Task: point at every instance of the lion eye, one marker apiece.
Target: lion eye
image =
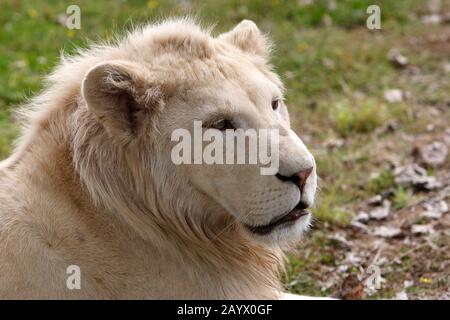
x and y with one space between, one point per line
222 125
276 104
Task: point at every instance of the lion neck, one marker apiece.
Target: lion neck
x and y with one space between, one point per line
236 266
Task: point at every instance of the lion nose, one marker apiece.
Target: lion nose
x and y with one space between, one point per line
302 177
298 178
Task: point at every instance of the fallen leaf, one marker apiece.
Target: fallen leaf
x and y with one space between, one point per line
382 212
352 258
352 288
408 283
359 225
339 240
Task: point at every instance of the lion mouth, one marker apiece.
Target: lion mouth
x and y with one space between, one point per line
287 219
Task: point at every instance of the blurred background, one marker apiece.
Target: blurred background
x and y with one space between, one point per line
372 105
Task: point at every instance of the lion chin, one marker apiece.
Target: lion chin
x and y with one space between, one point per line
282 232
93 204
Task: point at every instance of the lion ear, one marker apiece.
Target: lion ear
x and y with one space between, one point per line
117 93
247 37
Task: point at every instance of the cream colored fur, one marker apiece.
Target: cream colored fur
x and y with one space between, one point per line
91 182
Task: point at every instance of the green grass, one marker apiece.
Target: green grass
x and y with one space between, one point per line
364 118
381 182
402 198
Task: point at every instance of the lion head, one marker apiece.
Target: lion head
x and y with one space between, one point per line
166 77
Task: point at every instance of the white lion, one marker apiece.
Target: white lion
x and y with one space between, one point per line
91 182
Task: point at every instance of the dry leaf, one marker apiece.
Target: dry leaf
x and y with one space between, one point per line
352 288
416 176
382 212
387 232
434 209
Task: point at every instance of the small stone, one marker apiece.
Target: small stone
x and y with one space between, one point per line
408 283
422 229
432 19
375 200
447 67
393 95
362 217
435 209
397 59
61 19
434 154
401 296
387 232
334 143
343 268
